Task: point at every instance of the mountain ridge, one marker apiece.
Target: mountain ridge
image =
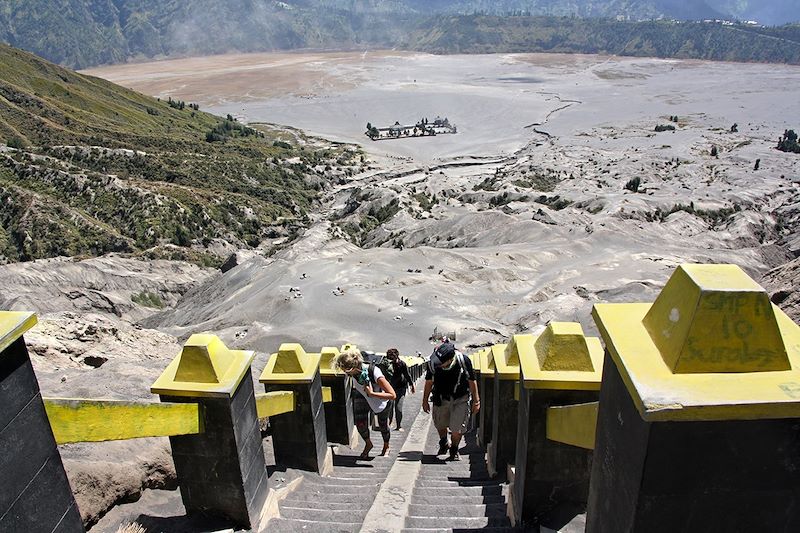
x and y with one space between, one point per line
83 33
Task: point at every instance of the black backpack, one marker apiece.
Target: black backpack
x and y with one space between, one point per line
462 373
382 362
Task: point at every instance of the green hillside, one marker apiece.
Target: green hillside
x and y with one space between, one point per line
93 167
685 40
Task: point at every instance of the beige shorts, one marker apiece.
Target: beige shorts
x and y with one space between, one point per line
453 414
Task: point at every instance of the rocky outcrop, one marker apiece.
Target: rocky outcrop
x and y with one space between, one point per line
782 283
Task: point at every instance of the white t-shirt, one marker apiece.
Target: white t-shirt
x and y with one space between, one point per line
376 404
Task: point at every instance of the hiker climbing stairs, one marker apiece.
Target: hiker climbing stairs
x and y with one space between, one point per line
340 502
357 496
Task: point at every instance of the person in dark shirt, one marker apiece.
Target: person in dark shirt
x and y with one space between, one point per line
401 381
450 380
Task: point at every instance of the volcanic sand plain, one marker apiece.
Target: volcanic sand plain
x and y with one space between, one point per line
530 126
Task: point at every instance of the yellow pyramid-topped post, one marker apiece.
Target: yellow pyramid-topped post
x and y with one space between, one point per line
211 465
562 346
565 359
327 355
696 382
204 359
205 367
558 393
502 447
14 324
339 423
35 493
507 361
712 346
486 391
714 318
299 438
291 364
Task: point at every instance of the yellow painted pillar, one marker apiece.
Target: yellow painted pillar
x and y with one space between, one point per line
221 470
699 420
299 439
560 367
34 491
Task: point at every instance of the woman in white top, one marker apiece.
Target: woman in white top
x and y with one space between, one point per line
375 398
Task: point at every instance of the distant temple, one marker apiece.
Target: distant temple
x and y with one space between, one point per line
420 129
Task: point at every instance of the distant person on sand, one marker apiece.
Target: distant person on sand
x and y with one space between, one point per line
451 379
401 381
375 395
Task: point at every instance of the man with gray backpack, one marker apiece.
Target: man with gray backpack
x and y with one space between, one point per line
450 380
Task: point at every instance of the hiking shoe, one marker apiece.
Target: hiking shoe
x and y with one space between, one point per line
443 447
454 456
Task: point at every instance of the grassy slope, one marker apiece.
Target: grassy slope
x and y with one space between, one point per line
104 168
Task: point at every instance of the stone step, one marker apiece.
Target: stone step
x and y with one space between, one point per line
432 483
284 525
344 472
458 500
441 473
463 463
423 509
336 481
457 476
456 491
456 522
363 466
323 488
341 516
321 505
457 530
363 500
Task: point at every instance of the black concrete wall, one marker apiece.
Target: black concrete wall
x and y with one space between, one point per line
551 480
222 471
339 421
35 494
732 476
504 425
299 438
486 414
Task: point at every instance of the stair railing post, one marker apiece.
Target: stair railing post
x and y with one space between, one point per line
475 419
699 410
221 471
339 421
35 494
560 367
502 449
486 387
299 438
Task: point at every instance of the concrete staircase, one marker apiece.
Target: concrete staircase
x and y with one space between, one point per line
444 496
455 496
340 502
